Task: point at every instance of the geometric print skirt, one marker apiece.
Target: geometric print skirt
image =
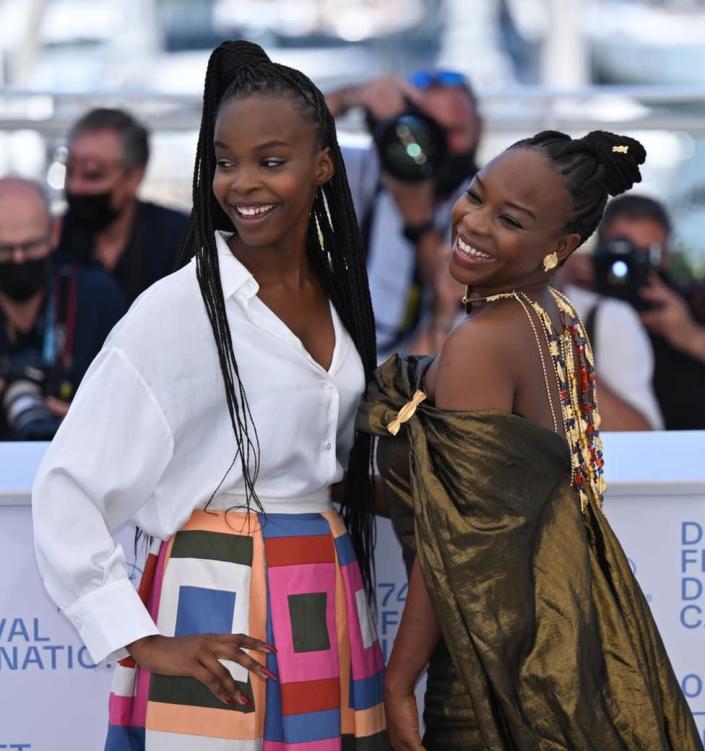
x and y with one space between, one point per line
291 580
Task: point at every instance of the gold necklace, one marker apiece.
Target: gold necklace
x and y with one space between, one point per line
578 401
522 299
549 393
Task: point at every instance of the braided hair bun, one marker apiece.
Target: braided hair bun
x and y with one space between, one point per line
594 167
228 59
620 157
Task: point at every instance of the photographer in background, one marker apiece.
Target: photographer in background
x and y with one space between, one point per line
53 319
404 215
672 315
106 225
624 359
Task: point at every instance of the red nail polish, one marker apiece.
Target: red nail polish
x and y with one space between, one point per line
270 674
229 700
244 700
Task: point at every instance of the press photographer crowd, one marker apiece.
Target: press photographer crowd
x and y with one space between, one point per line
66 281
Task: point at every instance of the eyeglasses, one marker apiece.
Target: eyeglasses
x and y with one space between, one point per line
424 79
30 249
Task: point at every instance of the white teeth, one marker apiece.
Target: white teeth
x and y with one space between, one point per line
254 210
470 251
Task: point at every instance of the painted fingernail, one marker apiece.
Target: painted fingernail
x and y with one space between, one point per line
270 674
270 648
229 700
244 700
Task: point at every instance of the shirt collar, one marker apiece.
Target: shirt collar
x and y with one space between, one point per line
235 279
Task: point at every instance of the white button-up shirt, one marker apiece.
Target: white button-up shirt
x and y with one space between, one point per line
148 438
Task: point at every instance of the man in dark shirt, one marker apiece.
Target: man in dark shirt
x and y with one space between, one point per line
676 325
54 317
106 225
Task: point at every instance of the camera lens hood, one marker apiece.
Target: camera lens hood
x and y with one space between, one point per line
411 146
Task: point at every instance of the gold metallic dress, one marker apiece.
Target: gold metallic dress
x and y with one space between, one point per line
548 642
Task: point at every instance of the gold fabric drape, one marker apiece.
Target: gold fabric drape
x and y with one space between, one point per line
552 642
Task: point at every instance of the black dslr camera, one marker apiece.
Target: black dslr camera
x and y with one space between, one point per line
27 383
412 146
622 269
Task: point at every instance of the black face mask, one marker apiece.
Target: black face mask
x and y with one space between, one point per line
455 170
92 211
19 281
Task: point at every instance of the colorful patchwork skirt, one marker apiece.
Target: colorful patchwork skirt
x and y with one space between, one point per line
289 579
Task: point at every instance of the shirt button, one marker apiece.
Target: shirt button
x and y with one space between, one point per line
327 445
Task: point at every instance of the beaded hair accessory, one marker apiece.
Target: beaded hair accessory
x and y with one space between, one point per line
570 354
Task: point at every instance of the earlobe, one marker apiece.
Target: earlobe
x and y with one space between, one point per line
326 170
566 246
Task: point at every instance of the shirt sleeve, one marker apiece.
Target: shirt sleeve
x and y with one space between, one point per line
100 469
625 360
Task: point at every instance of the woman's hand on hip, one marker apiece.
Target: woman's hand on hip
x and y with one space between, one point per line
199 657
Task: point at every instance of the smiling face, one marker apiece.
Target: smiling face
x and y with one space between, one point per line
513 214
269 164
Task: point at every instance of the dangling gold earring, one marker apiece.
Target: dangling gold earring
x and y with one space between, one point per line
550 261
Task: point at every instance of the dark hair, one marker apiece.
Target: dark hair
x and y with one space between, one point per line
599 165
240 69
635 207
134 136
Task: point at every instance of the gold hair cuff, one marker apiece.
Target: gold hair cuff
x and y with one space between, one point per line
406 412
620 149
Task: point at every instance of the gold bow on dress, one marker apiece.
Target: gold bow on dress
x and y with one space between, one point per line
406 412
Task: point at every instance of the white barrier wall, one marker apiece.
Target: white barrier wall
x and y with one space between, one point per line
52 698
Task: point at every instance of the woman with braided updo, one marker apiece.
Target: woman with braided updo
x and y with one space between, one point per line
218 417
520 597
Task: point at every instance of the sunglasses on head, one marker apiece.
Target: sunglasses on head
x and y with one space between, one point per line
423 79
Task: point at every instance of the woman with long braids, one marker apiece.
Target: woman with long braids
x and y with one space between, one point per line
218 417
520 596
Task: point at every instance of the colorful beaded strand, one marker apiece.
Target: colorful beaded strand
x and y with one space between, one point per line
588 388
578 399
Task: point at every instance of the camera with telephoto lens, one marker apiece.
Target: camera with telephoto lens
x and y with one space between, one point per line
27 383
622 269
411 146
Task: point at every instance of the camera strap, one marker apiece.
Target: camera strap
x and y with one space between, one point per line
60 318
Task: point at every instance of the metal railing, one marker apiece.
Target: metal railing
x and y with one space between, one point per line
507 108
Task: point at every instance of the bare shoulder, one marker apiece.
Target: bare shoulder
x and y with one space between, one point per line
473 370
481 333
